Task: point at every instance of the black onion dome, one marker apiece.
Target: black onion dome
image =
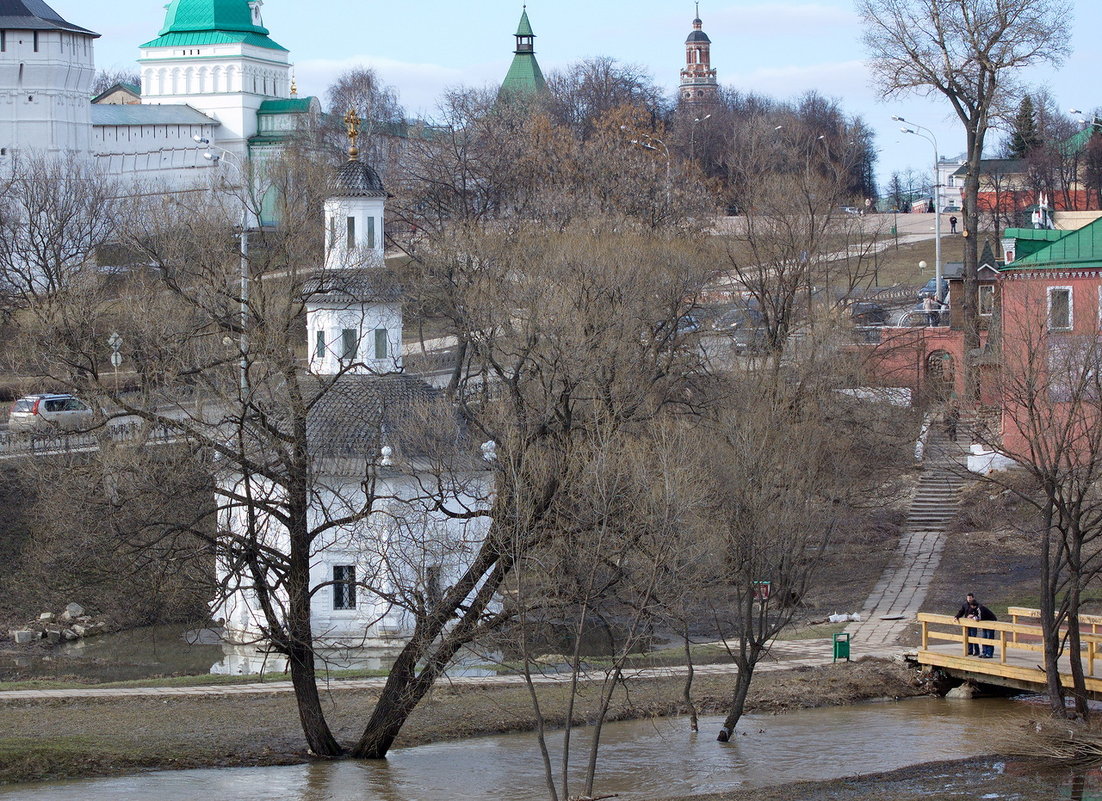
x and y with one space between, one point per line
698 36
356 179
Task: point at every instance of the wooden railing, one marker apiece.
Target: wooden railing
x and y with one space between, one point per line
1011 637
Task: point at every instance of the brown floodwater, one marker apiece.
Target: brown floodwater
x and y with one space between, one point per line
639 759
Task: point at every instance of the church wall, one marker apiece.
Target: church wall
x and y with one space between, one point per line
332 319
398 549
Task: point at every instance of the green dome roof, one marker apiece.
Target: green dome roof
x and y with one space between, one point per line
210 15
203 22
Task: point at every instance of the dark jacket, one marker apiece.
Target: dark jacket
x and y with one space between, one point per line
984 612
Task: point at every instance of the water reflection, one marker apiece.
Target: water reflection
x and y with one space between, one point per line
642 759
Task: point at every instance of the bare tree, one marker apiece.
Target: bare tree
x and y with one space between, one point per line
969 52
105 79
381 114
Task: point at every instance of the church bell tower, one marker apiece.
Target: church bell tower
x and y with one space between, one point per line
698 78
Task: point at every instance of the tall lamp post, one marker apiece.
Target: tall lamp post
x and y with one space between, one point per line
929 137
216 158
692 135
649 144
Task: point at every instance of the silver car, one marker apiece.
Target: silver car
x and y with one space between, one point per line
34 414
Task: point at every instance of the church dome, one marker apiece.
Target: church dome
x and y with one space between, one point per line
210 15
356 179
698 36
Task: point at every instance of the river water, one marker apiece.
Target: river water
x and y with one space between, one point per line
639 759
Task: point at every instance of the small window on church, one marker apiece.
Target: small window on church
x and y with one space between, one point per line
3 41
36 41
319 345
380 343
371 232
349 344
344 586
351 242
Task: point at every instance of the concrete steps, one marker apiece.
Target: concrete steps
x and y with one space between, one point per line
903 586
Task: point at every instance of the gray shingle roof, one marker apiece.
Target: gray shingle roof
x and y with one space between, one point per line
138 114
370 285
356 179
697 36
355 415
35 15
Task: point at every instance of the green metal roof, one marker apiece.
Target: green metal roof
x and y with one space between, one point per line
524 76
1077 143
286 105
199 22
1082 248
524 28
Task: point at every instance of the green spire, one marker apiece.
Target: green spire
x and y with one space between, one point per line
212 22
525 75
525 28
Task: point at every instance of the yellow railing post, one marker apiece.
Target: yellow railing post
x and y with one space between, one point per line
925 635
1002 647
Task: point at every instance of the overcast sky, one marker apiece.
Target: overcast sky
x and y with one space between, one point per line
779 47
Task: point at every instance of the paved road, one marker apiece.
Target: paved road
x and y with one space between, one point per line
787 655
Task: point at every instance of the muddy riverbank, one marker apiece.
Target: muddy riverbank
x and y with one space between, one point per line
98 737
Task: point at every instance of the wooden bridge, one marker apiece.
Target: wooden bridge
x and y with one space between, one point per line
1018 660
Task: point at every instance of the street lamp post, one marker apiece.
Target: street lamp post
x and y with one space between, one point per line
216 158
692 135
929 137
665 151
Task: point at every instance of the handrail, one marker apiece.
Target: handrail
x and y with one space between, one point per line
1089 640
1025 611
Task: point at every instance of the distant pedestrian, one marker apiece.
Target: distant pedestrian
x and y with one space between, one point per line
932 309
953 224
952 419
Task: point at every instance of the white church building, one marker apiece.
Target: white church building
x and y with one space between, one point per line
372 429
212 72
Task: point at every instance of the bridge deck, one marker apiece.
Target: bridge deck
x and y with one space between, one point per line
1018 654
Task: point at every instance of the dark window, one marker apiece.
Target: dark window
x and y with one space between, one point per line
351 232
434 588
319 345
380 343
344 586
1059 307
36 41
349 343
371 232
3 41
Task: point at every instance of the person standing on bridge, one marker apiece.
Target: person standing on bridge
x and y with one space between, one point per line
974 610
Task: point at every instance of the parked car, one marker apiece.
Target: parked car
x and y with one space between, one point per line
45 413
848 210
743 324
928 289
865 312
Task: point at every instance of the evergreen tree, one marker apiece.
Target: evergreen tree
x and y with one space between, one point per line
1025 136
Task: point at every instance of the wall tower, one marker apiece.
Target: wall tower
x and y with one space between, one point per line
46 72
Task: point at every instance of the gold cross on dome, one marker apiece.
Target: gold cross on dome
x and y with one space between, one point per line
352 120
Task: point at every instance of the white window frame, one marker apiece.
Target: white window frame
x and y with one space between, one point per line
1071 308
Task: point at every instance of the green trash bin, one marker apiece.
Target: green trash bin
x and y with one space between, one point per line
841 646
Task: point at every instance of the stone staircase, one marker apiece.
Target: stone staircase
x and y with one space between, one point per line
898 595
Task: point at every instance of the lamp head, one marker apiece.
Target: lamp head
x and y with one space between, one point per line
212 157
202 140
897 118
